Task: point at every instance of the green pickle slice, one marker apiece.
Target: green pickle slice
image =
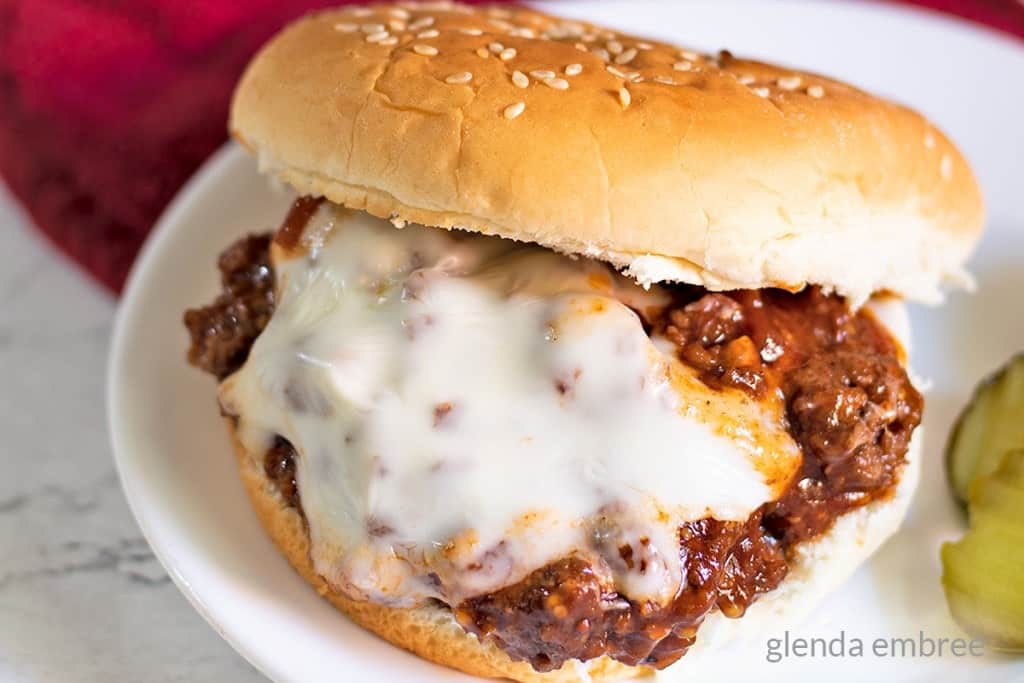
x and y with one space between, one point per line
983 573
991 424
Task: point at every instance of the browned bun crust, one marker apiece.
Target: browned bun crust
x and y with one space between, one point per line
735 174
430 632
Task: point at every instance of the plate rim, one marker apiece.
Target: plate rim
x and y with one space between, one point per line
227 155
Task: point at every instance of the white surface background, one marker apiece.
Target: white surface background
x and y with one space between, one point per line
81 597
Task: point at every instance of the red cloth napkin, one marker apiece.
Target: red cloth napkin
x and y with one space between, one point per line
107 106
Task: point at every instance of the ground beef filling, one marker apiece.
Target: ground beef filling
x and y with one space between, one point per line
850 407
223 332
849 404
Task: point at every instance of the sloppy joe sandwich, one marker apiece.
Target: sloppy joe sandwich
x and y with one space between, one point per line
577 350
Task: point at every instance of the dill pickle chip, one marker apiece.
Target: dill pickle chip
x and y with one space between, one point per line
983 573
991 424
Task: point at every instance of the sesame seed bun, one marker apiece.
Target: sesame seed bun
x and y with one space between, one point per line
816 569
717 171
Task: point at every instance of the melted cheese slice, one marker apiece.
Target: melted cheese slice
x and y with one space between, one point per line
467 409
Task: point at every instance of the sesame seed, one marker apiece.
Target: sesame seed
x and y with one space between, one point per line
514 110
745 79
399 12
425 50
644 46
471 31
573 69
929 139
422 22
482 52
682 66
689 55
507 54
816 91
346 28
603 54
614 47
458 78
371 28
572 28
557 83
361 11
612 70
581 47
789 82
635 77
664 79
389 41
396 25
496 47
542 74
946 167
377 37
520 79
429 33
522 32
761 92
626 57
624 97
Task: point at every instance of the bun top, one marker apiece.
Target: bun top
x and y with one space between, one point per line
674 165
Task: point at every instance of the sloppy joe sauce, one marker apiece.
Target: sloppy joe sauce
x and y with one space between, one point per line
852 409
848 404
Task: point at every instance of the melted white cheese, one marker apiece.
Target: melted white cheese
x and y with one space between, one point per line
467 409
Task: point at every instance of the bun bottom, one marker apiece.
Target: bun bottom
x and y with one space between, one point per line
430 632
817 568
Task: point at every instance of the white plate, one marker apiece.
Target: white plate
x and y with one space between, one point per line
180 479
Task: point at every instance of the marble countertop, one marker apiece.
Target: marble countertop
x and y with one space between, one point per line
81 596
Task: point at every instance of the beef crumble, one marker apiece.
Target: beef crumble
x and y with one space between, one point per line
223 332
279 467
849 404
